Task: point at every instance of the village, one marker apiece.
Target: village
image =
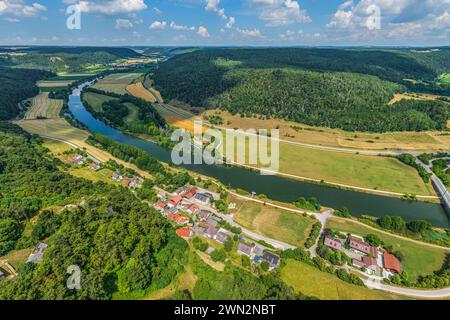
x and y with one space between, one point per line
371 260
191 208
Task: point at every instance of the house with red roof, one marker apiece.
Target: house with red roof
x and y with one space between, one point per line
161 205
190 193
126 182
391 263
177 218
174 201
192 209
184 232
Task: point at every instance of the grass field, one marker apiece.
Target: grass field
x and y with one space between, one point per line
57 83
272 222
96 100
42 106
363 171
445 78
133 115
296 132
311 281
17 257
419 259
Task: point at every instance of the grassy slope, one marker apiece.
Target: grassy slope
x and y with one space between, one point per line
275 223
96 100
310 281
419 259
445 78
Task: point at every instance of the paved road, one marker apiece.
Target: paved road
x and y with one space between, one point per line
416 293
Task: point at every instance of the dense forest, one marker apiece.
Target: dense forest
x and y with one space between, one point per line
17 85
348 89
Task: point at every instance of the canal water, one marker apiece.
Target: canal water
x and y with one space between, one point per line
276 187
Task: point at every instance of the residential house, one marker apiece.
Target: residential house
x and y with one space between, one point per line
272 259
211 232
136 182
179 191
117 177
184 232
177 218
203 198
126 182
212 222
175 201
204 215
391 263
361 246
37 254
222 237
368 263
192 209
245 248
333 243
190 193
161 205
94 166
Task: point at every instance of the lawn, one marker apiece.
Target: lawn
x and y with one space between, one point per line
445 78
133 115
96 100
272 222
312 282
17 257
42 106
419 259
371 172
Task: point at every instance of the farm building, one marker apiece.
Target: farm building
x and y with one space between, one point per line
361 246
333 243
391 263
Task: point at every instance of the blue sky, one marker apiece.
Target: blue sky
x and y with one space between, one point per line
227 22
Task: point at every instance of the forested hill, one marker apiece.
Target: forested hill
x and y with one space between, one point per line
17 85
116 51
348 89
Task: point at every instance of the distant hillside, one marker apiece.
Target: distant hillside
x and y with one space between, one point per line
118 52
17 85
348 89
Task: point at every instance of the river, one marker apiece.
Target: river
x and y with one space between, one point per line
276 187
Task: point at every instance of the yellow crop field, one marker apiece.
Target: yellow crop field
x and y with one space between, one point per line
296 132
138 90
43 107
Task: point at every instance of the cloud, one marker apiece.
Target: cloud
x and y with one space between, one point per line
175 26
213 5
158 25
109 7
249 33
401 19
203 32
230 23
280 12
123 24
19 9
